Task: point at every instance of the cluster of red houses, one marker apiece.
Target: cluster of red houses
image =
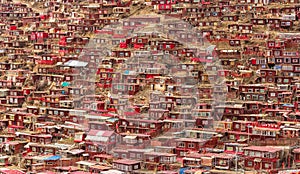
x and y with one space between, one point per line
70 108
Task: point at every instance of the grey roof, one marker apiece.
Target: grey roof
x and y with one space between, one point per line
210 48
75 63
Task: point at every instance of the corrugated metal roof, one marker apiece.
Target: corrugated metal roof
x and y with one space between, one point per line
53 158
75 63
97 138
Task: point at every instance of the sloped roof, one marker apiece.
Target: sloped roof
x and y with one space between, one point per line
75 63
263 148
98 135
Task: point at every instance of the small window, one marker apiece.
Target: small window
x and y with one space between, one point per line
267 165
191 145
254 107
261 98
229 148
222 162
181 144
33 149
254 97
130 88
270 80
250 163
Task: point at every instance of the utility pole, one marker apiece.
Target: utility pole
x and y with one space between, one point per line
249 126
236 159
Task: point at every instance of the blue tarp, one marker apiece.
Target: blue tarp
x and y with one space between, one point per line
64 84
278 66
112 119
182 170
52 158
288 105
126 72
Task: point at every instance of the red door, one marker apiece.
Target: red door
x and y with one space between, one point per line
257 165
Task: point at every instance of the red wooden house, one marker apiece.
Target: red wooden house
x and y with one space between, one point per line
275 112
42 148
274 23
126 88
48 60
13 147
224 161
243 28
267 75
40 47
40 138
296 154
126 165
229 111
195 159
53 100
103 158
262 158
267 129
96 125
163 5
100 141
234 148
106 76
57 113
140 126
158 114
159 160
185 145
121 53
254 92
